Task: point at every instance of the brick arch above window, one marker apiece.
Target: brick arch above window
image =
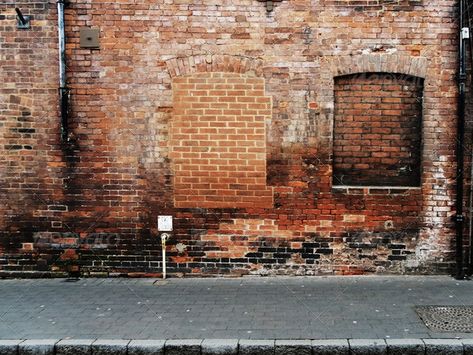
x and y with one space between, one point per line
208 63
335 66
380 63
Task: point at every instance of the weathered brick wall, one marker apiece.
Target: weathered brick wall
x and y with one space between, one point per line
377 130
31 194
101 192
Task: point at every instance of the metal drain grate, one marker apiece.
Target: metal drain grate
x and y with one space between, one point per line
447 318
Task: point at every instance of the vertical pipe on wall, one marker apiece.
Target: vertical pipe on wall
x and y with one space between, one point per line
469 261
459 217
62 43
469 267
164 238
63 90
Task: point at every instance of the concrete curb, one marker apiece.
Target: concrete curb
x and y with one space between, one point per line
331 347
146 347
8 347
256 347
74 346
220 347
293 347
443 346
37 347
368 346
236 347
467 346
405 346
183 347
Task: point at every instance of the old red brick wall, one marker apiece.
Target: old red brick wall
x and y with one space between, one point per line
31 193
377 130
101 192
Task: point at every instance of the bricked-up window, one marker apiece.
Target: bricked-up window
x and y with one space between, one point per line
377 130
218 141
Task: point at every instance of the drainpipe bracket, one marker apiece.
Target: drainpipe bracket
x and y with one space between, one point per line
458 218
24 25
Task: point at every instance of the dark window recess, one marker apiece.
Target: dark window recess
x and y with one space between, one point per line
377 130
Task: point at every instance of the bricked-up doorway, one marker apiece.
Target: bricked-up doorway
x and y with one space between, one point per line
377 130
218 141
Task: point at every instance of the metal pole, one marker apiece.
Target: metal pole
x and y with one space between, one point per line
469 261
164 238
470 222
459 217
62 44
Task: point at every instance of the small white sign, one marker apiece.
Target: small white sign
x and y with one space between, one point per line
465 32
165 223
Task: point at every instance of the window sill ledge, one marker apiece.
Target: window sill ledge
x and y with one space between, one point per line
375 190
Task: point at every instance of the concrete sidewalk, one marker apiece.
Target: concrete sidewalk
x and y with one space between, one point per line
367 307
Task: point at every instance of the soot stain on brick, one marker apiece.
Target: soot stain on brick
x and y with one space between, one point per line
71 153
272 252
20 229
278 172
398 244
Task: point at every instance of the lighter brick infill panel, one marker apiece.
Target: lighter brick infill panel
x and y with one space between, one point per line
218 141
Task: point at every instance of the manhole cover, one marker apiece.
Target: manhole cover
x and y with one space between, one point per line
447 318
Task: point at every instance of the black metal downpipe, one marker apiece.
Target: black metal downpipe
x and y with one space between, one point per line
64 93
459 217
20 16
469 261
